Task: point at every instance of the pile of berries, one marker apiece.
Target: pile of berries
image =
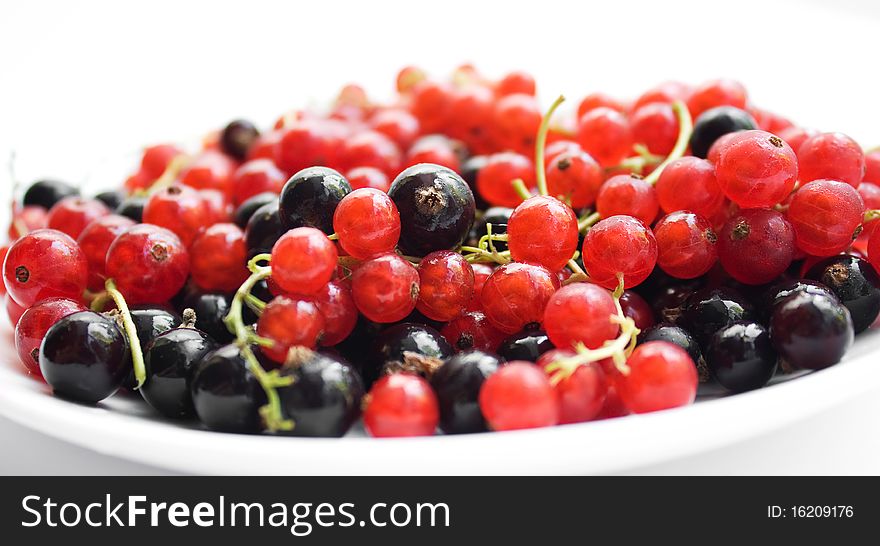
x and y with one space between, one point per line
456 259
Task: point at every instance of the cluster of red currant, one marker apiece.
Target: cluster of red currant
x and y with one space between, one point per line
477 266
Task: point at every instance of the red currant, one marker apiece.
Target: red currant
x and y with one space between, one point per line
210 170
401 404
431 103
71 215
289 323
519 396
481 273
756 169
157 158
516 294
619 246
574 177
367 223
598 100
495 178
254 177
368 177
27 219
436 149
635 307
581 394
580 313
656 126
689 184
542 230
628 195
303 261
661 376
33 325
606 135
95 240
149 263
516 121
309 143
516 82
372 149
686 245
446 285
716 93
756 246
385 289
13 310
398 125
45 264
666 92
218 258
336 304
473 330
872 167
826 216
833 156
180 209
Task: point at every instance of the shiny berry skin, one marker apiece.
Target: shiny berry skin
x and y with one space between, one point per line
431 103
723 92
111 198
481 273
581 394
580 313
559 147
676 335
870 194
179 209
407 346
245 211
310 197
218 258
874 250
398 125
628 195
210 311
33 325
45 264
169 360
14 311
661 376
715 123
515 82
336 304
574 177
210 170
811 331
385 289
133 207
148 263
263 229
95 240
27 219
237 138
689 184
686 245
303 261
756 169
495 177
741 357
833 156
756 246
401 404
543 231
606 135
635 307
516 121
289 323
656 126
710 309
325 397
372 149
367 223
446 284
780 291
457 384
473 330
515 295
872 166
519 396
255 177
528 344
157 158
436 149
499 217
84 357
436 209
855 283
666 92
619 245
470 116
598 100
225 393
826 216
368 177
46 193
71 215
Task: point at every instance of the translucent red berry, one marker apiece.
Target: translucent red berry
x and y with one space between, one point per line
605 134
386 288
580 313
574 177
340 313
33 325
436 149
689 184
157 158
519 396
27 219
372 149
619 246
255 177
149 263
481 273
180 209
289 323
218 258
367 223
826 216
210 170
516 121
398 125
45 264
628 195
598 100
756 246
368 177
581 394
494 179
832 156
473 330
661 376
303 261
516 82
635 307
72 214
95 240
686 245
516 294
756 169
666 92
542 230
655 126
401 404
714 93
446 285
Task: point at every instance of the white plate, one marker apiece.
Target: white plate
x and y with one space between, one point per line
125 427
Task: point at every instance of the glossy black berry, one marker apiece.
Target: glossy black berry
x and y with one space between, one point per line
498 217
46 193
715 123
436 209
779 292
325 397
457 384
237 138
855 283
84 357
672 334
711 309
412 347
133 207
469 171
149 321
741 356
811 331
310 198
529 344
246 210
169 360
210 310
263 229
225 394
111 198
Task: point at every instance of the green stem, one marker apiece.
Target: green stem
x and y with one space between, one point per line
137 355
871 214
168 176
540 141
100 302
588 221
520 188
685 128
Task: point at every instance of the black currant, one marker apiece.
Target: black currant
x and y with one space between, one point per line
710 309
673 334
310 198
84 357
46 193
149 321
237 138
246 210
210 310
169 360
469 171
715 123
457 384
741 356
855 283
325 397
225 394
112 198
436 209
263 229
498 217
529 344
407 346
133 207
811 331
779 292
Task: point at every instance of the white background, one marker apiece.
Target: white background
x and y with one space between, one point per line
84 81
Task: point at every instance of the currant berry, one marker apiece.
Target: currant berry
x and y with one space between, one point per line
515 82
715 93
435 149
666 92
756 246
368 177
237 138
655 125
711 309
811 331
169 360
686 245
431 103
832 156
289 323
446 285
628 195
71 215
581 394
498 217
210 170
31 328
516 294
606 135
263 229
495 177
217 258
310 197
401 404
741 357
676 335
661 376
245 211
457 384
516 121
14 311
133 207
372 149
580 313
95 240
225 393
635 307
481 273
45 264
528 344
367 223
619 246
519 396
148 263
180 209
872 167
156 159
255 177
855 283
826 216
542 230
303 261
46 193
715 123
111 198
210 310
398 125
689 184
756 169
27 219
473 330
574 177
385 289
